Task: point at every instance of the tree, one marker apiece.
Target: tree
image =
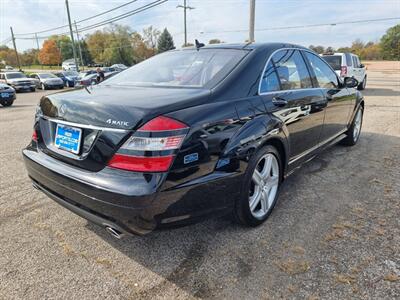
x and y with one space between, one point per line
8 56
390 43
30 57
215 41
64 45
165 41
111 46
86 57
150 37
140 49
49 54
330 50
318 49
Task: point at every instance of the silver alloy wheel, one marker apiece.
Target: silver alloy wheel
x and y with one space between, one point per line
43 87
357 125
264 185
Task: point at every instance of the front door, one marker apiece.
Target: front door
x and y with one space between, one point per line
340 100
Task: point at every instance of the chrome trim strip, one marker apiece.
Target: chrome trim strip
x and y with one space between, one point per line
280 91
84 125
317 146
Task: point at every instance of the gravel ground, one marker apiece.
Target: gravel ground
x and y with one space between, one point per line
334 234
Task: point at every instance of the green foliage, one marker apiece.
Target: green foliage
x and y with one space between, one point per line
318 49
215 41
390 43
64 44
165 41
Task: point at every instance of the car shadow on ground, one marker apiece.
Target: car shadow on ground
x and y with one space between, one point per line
380 92
201 257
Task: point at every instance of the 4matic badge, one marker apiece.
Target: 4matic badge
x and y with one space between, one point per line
118 123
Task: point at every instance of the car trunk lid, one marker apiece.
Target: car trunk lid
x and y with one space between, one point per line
105 117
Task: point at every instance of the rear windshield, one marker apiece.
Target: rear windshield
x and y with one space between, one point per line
186 68
335 61
15 75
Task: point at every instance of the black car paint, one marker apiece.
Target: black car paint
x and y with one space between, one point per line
228 122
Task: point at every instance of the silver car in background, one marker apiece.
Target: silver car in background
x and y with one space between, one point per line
48 81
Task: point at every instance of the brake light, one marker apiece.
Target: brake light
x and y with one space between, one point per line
141 163
34 136
343 71
161 124
152 148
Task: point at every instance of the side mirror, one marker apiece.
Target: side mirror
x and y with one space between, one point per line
350 82
362 66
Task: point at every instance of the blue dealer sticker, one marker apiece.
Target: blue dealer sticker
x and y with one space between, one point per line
187 159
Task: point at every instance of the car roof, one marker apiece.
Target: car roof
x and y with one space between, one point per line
248 46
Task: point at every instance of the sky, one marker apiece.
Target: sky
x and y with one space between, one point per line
227 20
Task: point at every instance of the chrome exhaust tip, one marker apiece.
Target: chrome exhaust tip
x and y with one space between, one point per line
115 233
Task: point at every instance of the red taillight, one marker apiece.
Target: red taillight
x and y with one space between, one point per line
145 152
34 136
162 124
141 163
343 71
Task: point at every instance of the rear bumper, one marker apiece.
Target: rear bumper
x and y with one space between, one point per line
133 203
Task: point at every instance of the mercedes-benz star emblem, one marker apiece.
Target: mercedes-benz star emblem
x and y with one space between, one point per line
62 110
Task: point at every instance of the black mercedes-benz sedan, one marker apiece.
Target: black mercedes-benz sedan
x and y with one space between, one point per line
190 133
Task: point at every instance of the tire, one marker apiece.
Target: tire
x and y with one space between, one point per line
257 201
33 89
7 103
363 84
42 86
353 133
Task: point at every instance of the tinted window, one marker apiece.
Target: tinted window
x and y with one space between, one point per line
291 70
335 61
325 76
269 81
15 75
348 60
185 68
355 65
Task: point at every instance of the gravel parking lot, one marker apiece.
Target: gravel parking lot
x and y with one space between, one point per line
334 234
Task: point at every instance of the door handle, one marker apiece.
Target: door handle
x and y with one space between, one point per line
278 101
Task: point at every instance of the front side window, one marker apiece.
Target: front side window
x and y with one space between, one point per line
185 68
326 77
291 70
355 65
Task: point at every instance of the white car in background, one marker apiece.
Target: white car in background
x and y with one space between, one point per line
348 65
69 66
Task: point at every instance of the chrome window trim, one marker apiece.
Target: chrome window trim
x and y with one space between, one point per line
302 89
84 125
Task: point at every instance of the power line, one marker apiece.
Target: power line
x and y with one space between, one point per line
108 21
125 15
80 21
307 26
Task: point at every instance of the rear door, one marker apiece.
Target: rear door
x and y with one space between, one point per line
288 93
339 100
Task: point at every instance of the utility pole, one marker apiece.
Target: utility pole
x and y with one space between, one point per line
185 7
79 46
72 37
38 48
15 48
252 17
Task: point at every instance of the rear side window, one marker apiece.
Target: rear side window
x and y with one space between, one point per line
291 71
269 81
326 77
355 65
335 61
348 60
